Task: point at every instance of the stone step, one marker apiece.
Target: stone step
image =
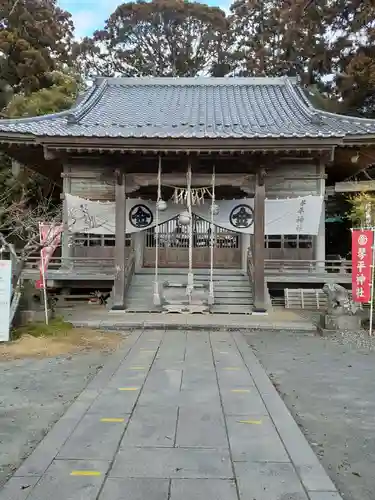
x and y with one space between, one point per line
217 308
140 309
143 292
220 286
245 294
178 271
233 300
225 284
232 290
224 278
231 309
148 299
238 288
223 299
138 278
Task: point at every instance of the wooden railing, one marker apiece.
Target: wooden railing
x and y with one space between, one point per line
76 263
308 266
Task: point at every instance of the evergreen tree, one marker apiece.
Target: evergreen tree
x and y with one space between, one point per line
277 37
35 39
159 38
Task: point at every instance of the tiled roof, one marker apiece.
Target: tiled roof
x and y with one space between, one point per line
216 108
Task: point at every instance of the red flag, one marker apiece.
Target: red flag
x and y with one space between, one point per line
362 242
50 238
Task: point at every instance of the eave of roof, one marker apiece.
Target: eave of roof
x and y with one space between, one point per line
191 109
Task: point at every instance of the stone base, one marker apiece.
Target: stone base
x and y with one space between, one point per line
117 307
185 309
175 299
31 316
332 322
260 311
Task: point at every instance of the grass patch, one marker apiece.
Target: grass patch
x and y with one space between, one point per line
56 327
56 339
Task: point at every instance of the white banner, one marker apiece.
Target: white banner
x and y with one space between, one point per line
285 216
5 297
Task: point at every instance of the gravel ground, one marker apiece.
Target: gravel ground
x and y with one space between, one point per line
34 394
328 385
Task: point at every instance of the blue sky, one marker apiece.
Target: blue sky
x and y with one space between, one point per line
89 15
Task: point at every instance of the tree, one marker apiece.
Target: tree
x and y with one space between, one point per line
362 209
313 39
353 55
19 223
356 87
279 37
60 95
159 38
30 189
35 42
35 39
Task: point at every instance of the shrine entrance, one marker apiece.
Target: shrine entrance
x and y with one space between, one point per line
174 245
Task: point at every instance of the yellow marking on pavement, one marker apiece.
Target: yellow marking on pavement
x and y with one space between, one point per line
232 368
240 390
153 340
254 422
128 388
137 368
85 473
147 350
112 420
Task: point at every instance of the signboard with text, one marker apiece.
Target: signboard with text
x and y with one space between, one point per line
362 242
5 298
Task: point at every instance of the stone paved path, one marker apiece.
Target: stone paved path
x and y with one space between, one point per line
175 416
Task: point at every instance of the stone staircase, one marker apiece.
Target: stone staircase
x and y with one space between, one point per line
232 290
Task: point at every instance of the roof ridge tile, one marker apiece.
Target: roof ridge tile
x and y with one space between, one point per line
77 113
205 81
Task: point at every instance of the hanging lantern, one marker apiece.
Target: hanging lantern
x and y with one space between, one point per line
161 205
215 209
184 218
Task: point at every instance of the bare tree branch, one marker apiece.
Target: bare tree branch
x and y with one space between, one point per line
14 7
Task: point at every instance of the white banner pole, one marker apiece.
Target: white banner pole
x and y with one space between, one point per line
44 289
372 283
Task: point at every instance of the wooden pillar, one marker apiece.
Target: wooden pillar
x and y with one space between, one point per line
120 232
259 230
320 238
67 238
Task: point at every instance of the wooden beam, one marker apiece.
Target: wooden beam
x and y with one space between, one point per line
256 145
120 231
50 155
259 252
240 180
354 187
354 160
